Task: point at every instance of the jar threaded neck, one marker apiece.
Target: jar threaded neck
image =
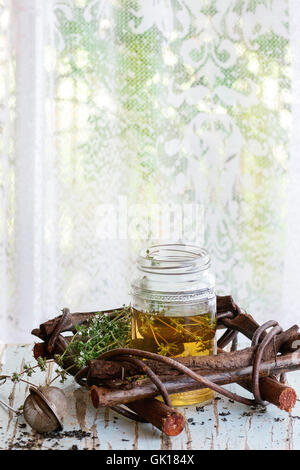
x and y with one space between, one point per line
173 259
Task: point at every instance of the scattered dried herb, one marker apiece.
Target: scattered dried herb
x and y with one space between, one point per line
224 413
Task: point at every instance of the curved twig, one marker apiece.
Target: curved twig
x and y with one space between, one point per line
152 376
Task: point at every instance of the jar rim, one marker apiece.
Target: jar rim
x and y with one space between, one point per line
171 258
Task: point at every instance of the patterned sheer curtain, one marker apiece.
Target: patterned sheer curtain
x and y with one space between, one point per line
114 113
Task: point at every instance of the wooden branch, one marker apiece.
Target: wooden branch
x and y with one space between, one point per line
280 395
74 319
145 389
104 369
163 417
222 369
109 371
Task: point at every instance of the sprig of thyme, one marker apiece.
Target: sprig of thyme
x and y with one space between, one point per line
28 370
101 334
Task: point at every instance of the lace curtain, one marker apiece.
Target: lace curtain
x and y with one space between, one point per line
114 113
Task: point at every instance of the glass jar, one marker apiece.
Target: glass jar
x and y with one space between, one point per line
174 307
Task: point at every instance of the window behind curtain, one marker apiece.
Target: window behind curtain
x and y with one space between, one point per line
134 105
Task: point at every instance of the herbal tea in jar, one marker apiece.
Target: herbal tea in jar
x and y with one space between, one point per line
174 307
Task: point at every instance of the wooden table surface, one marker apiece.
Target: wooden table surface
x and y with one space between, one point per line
221 425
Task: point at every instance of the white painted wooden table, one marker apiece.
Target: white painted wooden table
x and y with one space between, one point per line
221 425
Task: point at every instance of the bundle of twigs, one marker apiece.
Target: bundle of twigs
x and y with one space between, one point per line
117 377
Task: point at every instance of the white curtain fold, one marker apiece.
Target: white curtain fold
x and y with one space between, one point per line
30 31
290 294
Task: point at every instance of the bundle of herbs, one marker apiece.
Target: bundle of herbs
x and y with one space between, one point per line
99 335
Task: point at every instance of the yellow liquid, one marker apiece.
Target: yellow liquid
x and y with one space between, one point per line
176 336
